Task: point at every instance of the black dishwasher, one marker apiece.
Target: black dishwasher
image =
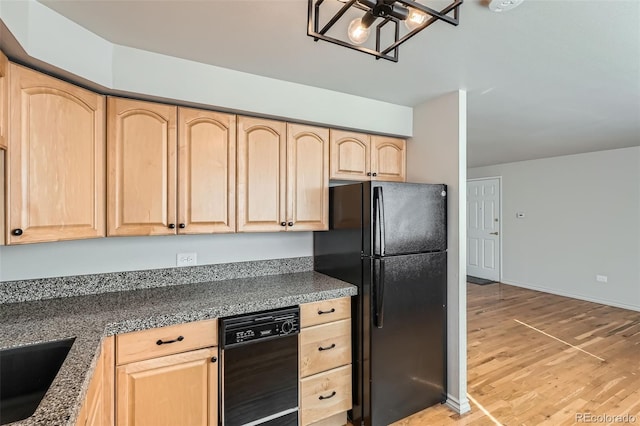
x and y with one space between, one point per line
259 368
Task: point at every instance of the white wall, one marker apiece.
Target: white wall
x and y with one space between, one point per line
135 253
56 40
582 219
438 154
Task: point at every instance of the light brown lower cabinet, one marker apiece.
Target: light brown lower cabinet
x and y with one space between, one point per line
98 406
325 394
169 376
180 389
325 362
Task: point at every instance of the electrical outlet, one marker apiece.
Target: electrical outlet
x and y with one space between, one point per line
187 259
601 278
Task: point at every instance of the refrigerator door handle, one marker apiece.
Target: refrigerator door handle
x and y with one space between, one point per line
378 295
378 199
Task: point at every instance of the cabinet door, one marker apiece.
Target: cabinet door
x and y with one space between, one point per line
262 172
307 178
207 172
178 389
4 99
141 158
325 394
3 188
350 155
388 159
56 176
97 408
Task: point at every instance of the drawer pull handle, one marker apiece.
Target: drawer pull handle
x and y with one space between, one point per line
166 342
333 345
327 397
330 311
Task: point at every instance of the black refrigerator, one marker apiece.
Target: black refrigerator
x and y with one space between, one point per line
390 240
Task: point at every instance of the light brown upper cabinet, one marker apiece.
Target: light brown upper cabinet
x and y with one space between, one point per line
282 176
388 159
350 155
171 170
56 156
307 178
206 172
359 156
4 99
141 162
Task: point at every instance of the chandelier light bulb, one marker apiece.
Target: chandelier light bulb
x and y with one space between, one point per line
357 32
415 19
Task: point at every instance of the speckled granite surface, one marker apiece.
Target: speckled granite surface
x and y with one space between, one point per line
81 285
90 318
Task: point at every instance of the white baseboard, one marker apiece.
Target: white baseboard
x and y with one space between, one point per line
459 407
572 295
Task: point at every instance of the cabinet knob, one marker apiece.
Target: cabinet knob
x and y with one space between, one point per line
368 173
374 174
17 232
182 226
214 359
172 226
283 223
290 224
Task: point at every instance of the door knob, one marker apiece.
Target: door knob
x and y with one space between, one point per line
493 233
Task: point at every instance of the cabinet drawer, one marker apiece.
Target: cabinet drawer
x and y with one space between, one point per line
325 394
324 347
147 344
325 311
339 419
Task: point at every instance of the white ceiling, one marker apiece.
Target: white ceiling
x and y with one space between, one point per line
549 78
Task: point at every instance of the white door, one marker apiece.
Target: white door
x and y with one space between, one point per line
483 228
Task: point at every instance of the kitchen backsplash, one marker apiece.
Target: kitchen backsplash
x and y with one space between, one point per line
80 285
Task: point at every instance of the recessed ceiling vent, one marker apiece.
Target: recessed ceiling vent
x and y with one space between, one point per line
504 5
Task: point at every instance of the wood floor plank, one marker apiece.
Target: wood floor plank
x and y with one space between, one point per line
525 377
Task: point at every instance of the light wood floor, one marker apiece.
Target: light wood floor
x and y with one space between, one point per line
521 371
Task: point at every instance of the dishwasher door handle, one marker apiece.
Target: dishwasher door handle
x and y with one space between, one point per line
267 318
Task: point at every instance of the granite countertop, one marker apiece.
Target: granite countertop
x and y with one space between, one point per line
90 318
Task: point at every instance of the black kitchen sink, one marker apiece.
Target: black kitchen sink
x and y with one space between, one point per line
26 372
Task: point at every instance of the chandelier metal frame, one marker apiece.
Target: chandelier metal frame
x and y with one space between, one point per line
391 51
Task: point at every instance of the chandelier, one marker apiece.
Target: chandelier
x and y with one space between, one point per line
397 22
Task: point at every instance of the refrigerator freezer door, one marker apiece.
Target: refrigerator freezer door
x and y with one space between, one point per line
407 218
407 370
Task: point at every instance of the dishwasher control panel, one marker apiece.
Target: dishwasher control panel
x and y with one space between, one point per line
262 325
